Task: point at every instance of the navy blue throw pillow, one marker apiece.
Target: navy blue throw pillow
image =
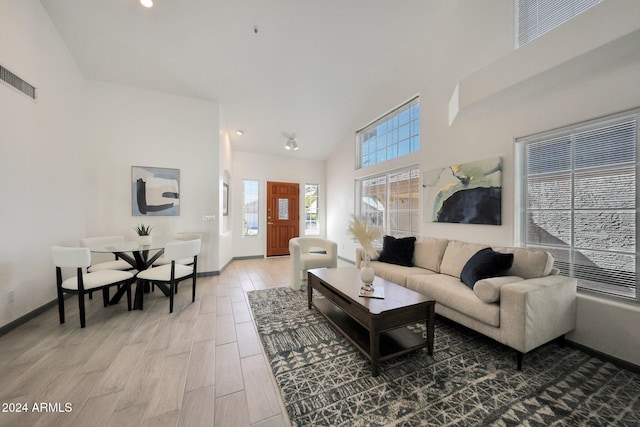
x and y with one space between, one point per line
484 264
398 251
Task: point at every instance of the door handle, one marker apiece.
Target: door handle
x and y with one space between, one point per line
269 223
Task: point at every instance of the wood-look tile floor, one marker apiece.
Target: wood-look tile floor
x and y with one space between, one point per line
203 365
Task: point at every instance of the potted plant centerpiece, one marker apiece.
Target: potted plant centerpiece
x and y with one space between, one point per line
365 233
144 234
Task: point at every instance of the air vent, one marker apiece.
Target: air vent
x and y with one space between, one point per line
15 81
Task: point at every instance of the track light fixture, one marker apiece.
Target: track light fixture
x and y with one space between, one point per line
291 144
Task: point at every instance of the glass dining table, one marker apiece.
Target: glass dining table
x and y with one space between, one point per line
140 257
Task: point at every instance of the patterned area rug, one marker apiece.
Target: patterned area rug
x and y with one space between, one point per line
470 380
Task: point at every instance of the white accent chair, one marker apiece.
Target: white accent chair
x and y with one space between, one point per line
310 252
81 283
174 272
117 264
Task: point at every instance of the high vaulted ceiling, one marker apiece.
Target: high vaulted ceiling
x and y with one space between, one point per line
275 66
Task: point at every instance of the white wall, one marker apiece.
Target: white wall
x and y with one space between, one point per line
42 183
461 48
264 167
126 127
225 244
599 82
608 326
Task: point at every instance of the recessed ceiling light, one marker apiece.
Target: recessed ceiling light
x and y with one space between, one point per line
239 132
146 3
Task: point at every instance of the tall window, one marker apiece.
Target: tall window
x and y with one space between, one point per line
536 17
393 135
250 191
392 201
311 224
577 196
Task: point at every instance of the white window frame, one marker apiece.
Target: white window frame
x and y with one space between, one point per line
255 197
393 135
387 216
534 18
308 211
602 254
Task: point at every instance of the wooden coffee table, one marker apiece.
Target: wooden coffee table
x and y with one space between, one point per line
377 327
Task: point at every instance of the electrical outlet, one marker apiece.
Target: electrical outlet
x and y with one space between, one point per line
208 217
10 296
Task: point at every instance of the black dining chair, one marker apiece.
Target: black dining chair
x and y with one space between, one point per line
83 283
174 272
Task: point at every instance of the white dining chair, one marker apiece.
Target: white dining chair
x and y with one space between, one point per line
117 264
174 272
80 258
179 236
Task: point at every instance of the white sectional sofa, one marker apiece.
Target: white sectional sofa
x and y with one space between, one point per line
528 307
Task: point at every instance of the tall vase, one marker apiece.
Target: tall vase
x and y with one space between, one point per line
367 273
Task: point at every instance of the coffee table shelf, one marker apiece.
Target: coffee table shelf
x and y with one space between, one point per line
393 342
378 328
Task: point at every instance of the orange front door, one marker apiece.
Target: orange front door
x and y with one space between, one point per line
283 216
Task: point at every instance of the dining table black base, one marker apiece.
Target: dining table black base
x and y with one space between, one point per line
142 287
140 261
140 257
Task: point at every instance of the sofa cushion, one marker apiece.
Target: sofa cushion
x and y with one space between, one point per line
428 253
529 263
483 264
396 273
451 292
488 290
397 251
456 256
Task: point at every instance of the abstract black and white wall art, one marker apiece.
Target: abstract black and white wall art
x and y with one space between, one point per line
467 193
155 191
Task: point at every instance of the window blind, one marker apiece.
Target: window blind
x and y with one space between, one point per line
391 201
536 17
577 198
